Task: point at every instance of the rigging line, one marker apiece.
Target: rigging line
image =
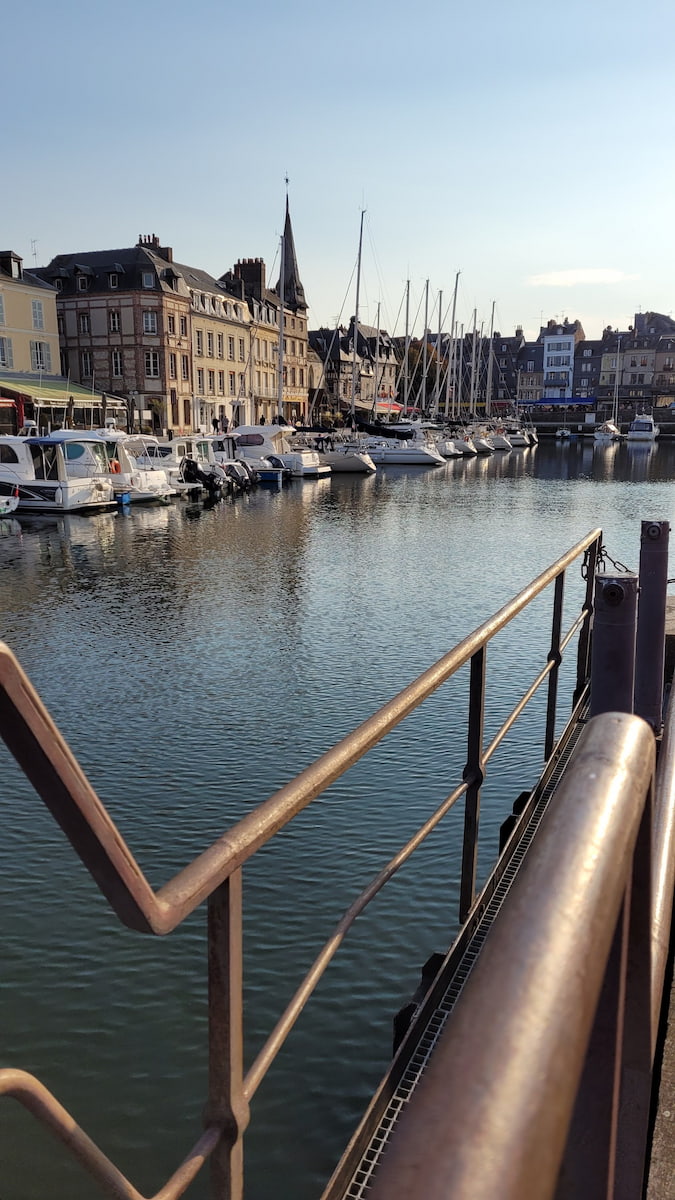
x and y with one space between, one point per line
324 362
378 271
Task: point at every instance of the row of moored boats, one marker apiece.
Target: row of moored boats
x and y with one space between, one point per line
71 470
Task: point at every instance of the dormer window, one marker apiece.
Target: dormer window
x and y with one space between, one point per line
58 284
82 283
113 279
148 279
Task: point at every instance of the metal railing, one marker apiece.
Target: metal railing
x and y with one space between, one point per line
548 1093
215 876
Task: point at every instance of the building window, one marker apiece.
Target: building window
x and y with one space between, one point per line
199 342
149 322
114 320
185 367
212 382
200 380
60 326
209 345
221 346
83 323
151 364
82 283
116 362
172 366
85 363
186 411
221 382
242 350
293 381
6 354
2 310
302 377
183 327
233 383
40 356
38 314
148 279
230 347
241 385
113 279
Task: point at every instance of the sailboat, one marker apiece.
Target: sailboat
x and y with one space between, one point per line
609 430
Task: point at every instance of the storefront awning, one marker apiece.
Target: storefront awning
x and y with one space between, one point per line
54 391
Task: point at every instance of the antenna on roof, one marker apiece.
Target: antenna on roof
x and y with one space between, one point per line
33 250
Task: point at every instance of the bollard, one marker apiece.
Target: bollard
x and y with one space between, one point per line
613 648
651 623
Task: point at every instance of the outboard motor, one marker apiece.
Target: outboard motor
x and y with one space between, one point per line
191 472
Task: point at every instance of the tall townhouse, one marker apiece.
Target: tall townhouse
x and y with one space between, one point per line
664 370
343 375
530 373
271 319
221 353
29 340
559 341
125 320
588 369
505 351
611 365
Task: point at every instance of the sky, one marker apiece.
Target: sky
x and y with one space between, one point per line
526 145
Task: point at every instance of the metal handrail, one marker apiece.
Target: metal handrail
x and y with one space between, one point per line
506 1071
215 875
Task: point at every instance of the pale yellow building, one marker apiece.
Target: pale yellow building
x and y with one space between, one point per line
29 334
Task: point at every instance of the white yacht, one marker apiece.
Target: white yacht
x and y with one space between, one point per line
642 429
132 481
344 455
189 462
405 445
57 473
277 442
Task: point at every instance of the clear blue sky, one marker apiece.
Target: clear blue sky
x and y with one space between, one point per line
528 145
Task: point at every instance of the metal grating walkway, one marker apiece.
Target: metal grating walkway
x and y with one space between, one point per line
358 1187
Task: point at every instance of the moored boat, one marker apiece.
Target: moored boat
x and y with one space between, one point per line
56 473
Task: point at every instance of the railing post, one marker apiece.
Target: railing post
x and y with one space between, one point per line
613 648
226 1105
473 772
555 658
584 650
651 624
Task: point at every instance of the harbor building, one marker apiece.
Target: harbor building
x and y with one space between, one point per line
29 337
158 333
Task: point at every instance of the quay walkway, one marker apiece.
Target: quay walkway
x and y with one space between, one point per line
528 1062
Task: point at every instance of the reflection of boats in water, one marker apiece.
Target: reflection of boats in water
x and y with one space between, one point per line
9 527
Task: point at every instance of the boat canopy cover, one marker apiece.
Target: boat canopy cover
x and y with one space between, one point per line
381 429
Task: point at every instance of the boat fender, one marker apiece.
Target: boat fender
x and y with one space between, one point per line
58 496
115 466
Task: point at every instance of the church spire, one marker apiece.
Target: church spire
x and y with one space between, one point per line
294 292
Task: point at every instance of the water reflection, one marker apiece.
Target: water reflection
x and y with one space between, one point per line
196 659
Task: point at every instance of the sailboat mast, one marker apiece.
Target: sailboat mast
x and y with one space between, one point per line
488 386
377 359
280 380
615 403
454 346
423 404
437 385
460 373
406 356
356 318
472 383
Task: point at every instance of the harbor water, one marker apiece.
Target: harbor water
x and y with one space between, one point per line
196 659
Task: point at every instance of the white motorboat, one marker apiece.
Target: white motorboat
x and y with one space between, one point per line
642 429
131 481
57 473
517 435
9 498
189 463
277 443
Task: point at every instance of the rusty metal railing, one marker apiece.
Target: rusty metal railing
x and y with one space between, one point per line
546 1092
215 876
